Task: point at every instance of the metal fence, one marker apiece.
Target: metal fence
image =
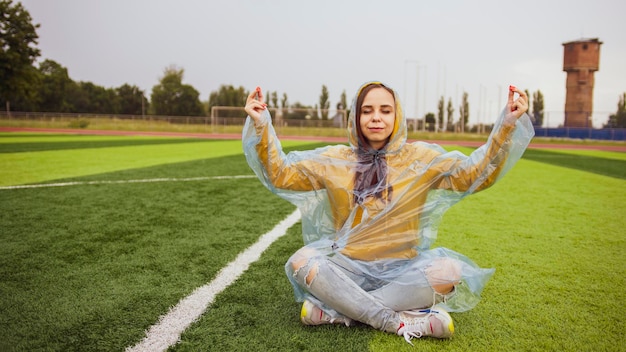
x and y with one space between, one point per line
54 116
336 119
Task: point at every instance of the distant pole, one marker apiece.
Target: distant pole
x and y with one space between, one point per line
437 127
456 98
445 79
404 97
417 96
417 89
499 95
424 97
480 103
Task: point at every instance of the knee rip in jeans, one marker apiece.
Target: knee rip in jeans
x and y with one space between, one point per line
312 268
443 275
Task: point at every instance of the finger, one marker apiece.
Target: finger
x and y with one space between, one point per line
258 103
259 94
512 90
256 106
251 97
523 95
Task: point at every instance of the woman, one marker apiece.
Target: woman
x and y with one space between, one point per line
370 213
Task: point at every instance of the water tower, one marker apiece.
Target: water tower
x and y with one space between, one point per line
581 59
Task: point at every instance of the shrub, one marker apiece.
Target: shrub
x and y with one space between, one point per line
80 123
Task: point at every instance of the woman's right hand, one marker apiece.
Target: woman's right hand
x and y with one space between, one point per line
517 107
255 104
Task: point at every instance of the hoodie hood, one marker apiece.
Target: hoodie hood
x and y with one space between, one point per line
398 135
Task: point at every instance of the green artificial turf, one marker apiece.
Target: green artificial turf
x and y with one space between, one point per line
50 159
554 235
90 267
604 163
35 143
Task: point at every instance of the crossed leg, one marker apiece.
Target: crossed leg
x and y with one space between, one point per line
333 285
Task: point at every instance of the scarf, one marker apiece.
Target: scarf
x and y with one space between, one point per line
371 175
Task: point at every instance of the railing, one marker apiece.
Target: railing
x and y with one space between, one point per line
337 119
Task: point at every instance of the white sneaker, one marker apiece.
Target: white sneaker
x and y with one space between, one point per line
313 315
434 322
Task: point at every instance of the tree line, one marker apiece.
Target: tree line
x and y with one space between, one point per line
444 119
49 88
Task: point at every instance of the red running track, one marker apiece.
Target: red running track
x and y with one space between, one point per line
615 148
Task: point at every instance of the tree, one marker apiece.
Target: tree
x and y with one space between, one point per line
132 100
464 112
284 102
268 99
228 95
538 108
274 99
55 84
450 111
440 113
343 100
18 37
430 121
618 120
90 98
172 97
324 103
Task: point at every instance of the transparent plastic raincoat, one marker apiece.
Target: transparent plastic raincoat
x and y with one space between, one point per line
384 239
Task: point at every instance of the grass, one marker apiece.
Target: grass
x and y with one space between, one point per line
90 267
605 163
28 162
556 237
87 267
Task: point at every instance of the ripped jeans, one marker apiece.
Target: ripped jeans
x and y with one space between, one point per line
373 292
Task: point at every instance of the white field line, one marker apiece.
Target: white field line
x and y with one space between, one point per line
166 332
148 180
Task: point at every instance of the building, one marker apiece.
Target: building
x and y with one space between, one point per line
581 59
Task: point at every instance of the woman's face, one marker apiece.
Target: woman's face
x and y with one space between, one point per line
378 115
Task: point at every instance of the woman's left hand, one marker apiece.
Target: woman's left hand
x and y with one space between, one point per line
518 106
255 105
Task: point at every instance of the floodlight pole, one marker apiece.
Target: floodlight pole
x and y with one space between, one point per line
417 66
480 104
423 95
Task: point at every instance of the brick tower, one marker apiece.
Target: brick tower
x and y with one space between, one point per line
581 59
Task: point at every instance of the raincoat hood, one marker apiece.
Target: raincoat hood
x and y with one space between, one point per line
398 135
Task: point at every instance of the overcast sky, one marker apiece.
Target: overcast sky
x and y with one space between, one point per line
420 48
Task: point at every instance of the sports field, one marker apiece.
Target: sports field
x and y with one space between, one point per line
110 243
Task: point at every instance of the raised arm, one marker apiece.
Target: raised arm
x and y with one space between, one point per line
511 135
266 157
